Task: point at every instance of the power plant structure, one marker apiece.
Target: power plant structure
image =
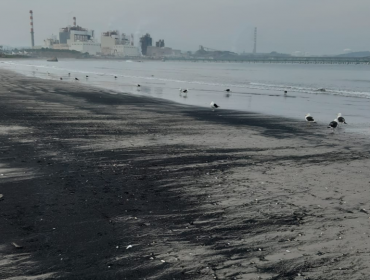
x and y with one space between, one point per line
32 33
255 41
160 44
118 44
74 33
113 43
145 42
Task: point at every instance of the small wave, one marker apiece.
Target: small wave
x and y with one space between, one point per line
269 87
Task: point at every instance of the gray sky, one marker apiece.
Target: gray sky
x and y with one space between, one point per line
313 26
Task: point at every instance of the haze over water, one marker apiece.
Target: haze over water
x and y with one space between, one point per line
255 87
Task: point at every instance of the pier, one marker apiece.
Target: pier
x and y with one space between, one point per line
287 60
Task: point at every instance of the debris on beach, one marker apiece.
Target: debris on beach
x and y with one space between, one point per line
1 196
129 246
17 246
362 210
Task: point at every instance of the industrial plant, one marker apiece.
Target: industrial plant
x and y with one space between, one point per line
112 43
119 45
75 41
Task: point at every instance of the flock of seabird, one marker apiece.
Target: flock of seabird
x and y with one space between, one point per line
333 125
76 79
213 105
183 92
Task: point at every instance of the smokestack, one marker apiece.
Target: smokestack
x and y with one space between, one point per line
74 21
32 34
255 41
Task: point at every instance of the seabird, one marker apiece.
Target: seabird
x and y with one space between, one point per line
285 91
76 79
138 85
115 77
309 118
333 125
228 90
69 74
340 119
61 79
184 90
87 76
214 106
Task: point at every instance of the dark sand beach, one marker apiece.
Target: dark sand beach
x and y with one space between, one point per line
98 185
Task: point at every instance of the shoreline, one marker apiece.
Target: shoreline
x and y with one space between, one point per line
267 99
196 194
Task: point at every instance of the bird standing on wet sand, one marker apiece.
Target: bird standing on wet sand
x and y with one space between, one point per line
138 85
214 106
340 119
228 90
184 90
333 125
115 77
76 79
309 118
61 79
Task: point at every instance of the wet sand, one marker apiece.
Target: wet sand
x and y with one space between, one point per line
98 185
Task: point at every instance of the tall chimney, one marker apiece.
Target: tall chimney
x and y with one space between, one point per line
32 34
74 21
255 41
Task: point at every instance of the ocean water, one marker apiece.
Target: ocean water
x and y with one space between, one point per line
255 87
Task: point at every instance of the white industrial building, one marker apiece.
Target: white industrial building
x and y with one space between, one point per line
50 42
90 47
80 36
78 39
125 50
114 43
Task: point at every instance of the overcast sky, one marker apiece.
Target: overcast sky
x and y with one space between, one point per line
313 26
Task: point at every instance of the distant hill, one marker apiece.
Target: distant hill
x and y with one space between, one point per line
356 54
